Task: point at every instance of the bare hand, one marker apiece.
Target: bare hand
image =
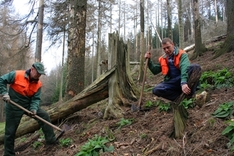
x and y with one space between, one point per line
186 90
147 55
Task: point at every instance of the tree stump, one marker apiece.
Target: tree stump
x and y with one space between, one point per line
121 88
180 114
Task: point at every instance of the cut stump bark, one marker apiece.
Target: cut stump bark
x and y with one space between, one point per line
180 114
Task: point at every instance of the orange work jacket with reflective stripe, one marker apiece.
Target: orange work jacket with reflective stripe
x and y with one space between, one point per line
164 62
23 86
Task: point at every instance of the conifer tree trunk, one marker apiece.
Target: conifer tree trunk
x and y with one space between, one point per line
199 46
76 48
228 45
142 45
181 24
39 31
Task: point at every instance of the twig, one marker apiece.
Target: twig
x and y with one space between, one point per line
177 143
184 142
211 103
152 139
152 150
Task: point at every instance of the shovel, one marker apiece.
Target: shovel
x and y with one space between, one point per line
39 118
138 108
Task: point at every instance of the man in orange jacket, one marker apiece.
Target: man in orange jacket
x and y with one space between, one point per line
176 68
24 89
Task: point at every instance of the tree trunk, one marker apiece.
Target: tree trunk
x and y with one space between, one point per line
181 24
98 54
142 41
39 32
62 69
199 46
169 27
228 45
121 86
76 49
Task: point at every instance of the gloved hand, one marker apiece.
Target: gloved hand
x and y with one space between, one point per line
6 98
33 113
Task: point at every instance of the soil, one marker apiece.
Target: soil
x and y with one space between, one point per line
150 130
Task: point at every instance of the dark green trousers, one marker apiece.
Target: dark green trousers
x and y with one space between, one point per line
13 118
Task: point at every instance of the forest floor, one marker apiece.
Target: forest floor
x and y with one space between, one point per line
150 131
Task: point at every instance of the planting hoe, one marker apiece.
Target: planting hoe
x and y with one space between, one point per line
39 118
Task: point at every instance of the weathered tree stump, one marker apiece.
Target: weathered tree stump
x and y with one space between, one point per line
121 87
180 114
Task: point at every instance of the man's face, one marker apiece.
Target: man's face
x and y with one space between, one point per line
168 48
34 74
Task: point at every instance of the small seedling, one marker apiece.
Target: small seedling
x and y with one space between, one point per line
36 144
143 136
187 103
149 104
65 142
123 122
164 107
94 146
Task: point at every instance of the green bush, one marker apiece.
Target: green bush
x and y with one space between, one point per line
217 79
224 110
229 132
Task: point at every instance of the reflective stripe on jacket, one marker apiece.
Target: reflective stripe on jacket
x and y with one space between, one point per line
23 86
164 62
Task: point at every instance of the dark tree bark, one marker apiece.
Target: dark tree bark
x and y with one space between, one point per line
228 45
76 49
142 41
169 19
199 46
39 31
122 90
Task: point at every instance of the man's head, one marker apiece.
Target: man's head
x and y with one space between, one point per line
168 46
37 70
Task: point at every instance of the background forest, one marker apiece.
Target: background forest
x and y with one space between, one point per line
78 29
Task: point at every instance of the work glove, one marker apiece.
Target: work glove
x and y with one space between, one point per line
6 98
33 113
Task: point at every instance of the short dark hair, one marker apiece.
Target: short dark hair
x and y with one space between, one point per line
165 40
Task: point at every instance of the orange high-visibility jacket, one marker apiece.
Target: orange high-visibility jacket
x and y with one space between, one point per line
23 86
164 62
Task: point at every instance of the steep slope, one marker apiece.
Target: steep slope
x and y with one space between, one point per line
150 130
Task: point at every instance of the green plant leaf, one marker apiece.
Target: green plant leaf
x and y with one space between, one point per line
227 130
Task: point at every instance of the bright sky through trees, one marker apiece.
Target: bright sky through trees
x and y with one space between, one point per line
50 57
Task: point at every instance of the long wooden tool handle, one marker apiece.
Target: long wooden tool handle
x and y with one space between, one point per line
36 116
143 83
